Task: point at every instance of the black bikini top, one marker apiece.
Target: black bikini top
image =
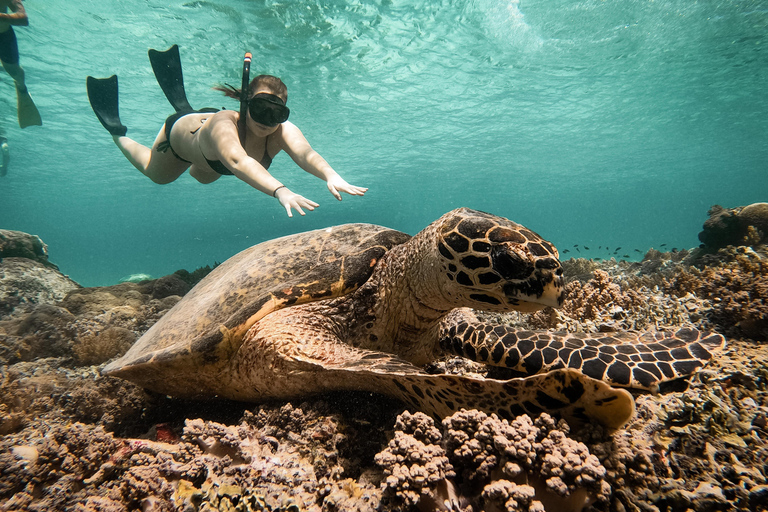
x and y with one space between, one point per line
220 168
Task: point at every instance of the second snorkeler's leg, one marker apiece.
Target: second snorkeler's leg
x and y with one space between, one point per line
160 167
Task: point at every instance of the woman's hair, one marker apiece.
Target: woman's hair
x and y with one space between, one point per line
270 82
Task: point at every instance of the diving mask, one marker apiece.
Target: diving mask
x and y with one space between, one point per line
268 109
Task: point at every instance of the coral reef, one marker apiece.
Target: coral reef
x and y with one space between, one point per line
607 304
490 464
699 449
415 464
16 244
95 349
75 440
211 466
88 324
736 287
25 283
743 225
194 277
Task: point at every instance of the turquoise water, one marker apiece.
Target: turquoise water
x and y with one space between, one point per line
593 123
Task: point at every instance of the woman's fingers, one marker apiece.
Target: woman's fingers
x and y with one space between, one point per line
339 185
298 203
334 191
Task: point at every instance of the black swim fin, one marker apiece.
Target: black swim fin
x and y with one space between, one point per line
102 93
167 68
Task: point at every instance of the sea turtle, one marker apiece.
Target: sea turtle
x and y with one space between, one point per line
364 307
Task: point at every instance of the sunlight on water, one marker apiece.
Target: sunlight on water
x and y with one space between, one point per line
593 123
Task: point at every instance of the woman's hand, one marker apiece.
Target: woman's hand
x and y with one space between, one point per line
290 200
338 184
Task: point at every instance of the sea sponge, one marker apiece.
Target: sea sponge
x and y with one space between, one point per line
519 465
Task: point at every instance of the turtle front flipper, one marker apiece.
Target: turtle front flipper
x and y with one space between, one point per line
566 393
293 352
633 360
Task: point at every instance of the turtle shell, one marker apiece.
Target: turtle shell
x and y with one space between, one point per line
207 326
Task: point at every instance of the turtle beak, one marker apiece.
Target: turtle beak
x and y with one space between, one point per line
547 289
553 294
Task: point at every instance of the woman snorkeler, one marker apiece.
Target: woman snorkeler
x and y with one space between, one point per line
208 142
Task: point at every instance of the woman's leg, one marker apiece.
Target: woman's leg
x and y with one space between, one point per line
160 167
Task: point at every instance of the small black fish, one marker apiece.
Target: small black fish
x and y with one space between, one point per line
625 256
663 245
577 249
566 251
638 250
618 248
599 246
575 245
598 259
674 249
587 248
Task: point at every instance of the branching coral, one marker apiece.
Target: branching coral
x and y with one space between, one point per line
736 288
588 301
499 465
415 464
605 305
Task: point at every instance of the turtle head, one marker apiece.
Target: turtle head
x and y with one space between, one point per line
491 263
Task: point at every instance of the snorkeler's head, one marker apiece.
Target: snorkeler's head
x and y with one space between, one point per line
267 96
266 105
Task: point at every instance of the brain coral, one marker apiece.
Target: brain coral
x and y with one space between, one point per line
490 464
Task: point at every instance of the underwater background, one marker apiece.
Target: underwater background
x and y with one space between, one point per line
602 124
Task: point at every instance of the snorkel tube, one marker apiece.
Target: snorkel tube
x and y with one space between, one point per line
244 92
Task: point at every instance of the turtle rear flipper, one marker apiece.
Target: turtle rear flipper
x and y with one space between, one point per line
633 360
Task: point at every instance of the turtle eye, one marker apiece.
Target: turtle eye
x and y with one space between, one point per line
509 264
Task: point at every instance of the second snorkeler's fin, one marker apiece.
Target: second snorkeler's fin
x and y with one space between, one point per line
5 156
102 93
26 109
167 68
